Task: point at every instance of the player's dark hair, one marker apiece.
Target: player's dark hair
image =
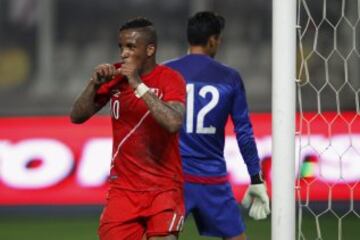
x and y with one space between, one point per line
202 26
142 24
138 22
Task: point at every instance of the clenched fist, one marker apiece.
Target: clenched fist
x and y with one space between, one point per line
131 72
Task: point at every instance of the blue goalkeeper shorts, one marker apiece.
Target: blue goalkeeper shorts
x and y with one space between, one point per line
214 208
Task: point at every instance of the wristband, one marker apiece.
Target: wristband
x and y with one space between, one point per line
256 179
140 90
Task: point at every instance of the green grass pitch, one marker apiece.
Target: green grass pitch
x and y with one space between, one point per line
54 227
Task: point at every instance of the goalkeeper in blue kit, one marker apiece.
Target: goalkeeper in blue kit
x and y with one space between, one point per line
215 92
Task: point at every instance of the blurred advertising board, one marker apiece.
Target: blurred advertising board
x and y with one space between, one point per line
50 161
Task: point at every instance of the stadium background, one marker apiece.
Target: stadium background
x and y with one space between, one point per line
48 49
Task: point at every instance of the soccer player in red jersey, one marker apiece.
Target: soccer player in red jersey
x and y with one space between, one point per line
147 109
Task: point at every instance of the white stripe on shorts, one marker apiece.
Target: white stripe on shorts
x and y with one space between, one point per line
180 223
172 222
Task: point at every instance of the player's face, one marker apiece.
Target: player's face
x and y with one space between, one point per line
133 47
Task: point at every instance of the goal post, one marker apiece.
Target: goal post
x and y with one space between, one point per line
316 151
283 119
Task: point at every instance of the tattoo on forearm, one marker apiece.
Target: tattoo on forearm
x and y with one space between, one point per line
84 106
169 115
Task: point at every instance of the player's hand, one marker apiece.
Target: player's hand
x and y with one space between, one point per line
104 73
130 70
257 199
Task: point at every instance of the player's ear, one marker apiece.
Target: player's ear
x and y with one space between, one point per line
214 41
212 45
150 50
211 41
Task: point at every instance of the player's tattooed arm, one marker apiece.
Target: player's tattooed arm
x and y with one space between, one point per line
170 114
85 106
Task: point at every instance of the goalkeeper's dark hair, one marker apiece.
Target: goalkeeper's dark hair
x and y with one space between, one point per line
202 26
143 25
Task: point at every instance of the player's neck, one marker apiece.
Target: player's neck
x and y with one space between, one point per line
148 67
199 50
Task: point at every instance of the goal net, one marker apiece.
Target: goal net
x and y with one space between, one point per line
328 119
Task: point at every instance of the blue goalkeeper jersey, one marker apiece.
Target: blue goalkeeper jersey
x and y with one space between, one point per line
214 92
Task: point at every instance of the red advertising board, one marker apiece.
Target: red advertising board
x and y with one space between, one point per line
48 160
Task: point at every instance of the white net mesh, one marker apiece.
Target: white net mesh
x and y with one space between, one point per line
328 121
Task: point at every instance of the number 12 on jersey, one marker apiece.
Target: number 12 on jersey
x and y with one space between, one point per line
204 110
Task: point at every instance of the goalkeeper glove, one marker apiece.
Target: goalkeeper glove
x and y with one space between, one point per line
256 197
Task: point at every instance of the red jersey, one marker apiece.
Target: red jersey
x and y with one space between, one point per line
145 155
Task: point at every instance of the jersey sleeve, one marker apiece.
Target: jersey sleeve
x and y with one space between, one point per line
243 127
175 89
102 94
